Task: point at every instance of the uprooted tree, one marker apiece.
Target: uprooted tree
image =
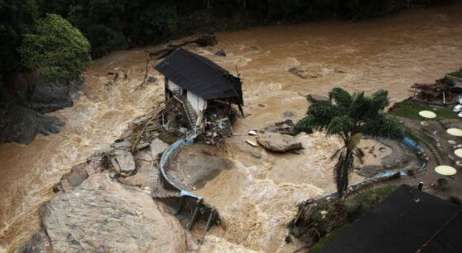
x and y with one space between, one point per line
350 116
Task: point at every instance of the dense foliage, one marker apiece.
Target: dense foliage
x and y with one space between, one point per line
56 49
350 116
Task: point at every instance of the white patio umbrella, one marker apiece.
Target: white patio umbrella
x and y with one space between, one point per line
455 132
445 170
427 114
458 152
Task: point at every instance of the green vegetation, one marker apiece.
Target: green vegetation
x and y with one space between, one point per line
328 238
360 203
457 74
56 49
410 109
349 116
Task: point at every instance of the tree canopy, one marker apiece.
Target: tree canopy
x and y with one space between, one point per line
56 49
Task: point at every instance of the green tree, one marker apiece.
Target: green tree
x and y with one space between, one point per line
16 18
57 50
350 116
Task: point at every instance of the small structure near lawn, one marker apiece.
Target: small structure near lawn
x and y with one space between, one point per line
199 94
442 92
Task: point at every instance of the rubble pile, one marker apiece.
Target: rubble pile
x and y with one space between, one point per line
443 91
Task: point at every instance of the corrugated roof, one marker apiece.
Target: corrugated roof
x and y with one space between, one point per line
407 221
200 76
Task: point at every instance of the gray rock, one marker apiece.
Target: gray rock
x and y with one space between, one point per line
38 244
123 162
146 173
21 124
280 143
157 148
102 215
80 173
151 79
23 105
123 145
221 53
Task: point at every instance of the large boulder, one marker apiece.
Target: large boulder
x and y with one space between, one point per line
23 104
277 142
21 124
49 97
102 215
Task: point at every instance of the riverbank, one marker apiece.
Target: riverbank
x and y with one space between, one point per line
390 53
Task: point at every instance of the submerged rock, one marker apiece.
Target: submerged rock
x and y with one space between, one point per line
280 143
102 215
220 52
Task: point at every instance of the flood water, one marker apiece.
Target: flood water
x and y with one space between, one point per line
388 53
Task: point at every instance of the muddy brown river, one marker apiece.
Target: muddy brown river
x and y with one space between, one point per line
390 53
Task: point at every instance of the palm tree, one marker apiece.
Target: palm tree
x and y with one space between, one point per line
350 116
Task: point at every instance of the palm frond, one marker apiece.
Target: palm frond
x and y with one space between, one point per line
340 97
383 126
306 124
340 125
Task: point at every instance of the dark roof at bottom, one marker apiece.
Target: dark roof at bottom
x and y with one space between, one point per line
408 220
200 75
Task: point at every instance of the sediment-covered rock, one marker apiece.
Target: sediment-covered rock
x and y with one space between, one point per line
158 147
102 215
280 143
123 162
80 173
147 173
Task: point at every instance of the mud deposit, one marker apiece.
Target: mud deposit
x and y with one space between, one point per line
258 195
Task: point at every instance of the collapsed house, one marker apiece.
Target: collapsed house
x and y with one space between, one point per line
199 95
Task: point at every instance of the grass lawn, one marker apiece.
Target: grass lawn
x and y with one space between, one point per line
410 109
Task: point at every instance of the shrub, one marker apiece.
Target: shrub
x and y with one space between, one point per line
57 50
104 40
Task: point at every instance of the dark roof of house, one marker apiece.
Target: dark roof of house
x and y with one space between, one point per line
408 220
200 76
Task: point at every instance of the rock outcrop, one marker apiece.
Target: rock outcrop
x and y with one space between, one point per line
280 143
21 124
102 215
24 102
